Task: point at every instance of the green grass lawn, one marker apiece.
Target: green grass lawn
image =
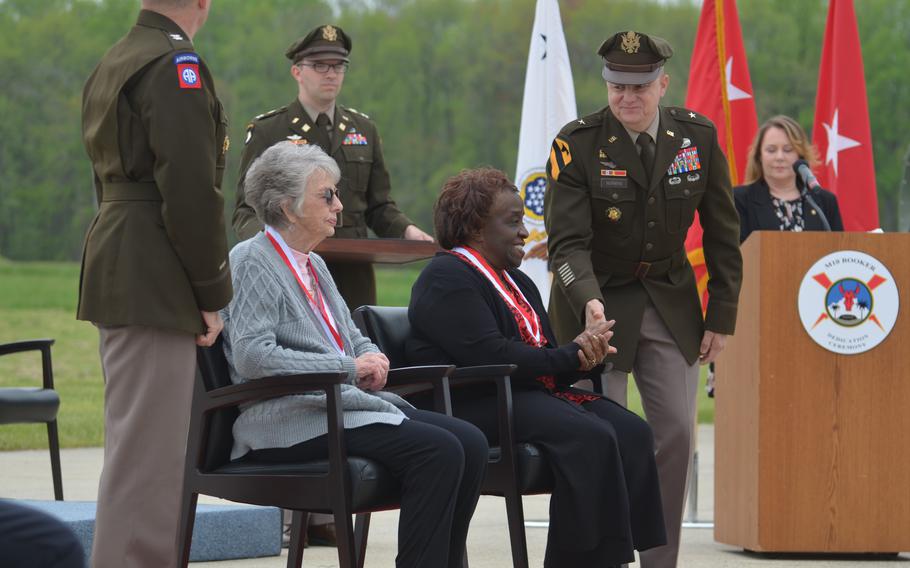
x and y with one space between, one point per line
38 300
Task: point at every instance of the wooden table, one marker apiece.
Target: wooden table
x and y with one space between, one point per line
383 251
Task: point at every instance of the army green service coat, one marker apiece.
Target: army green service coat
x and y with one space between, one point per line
365 188
156 251
356 147
616 238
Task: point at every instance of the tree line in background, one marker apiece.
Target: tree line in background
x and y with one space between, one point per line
442 79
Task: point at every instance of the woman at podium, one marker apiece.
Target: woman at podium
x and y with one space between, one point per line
774 197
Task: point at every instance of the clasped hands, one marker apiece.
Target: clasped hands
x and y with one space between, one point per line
595 339
372 371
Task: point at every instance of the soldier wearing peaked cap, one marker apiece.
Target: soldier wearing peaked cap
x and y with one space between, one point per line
319 61
154 268
624 186
323 42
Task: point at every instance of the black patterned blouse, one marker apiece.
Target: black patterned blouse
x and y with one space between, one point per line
790 214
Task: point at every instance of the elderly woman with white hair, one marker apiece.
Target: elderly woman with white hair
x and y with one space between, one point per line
287 317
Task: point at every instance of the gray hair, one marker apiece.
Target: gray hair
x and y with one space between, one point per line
280 175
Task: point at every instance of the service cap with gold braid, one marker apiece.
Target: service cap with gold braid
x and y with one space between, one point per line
633 58
324 42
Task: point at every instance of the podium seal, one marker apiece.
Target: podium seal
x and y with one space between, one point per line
848 302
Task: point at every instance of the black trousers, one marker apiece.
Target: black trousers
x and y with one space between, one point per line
440 462
606 499
30 538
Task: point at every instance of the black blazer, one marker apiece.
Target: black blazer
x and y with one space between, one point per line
756 212
457 317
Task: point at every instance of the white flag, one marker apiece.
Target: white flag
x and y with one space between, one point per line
549 104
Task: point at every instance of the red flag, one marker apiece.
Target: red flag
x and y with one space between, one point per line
841 130
720 88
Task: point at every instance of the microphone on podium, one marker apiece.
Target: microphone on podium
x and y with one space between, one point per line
802 169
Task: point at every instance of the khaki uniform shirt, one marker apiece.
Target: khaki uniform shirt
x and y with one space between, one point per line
156 251
619 239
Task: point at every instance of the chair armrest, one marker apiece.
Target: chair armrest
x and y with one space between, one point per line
206 403
28 345
423 374
412 380
42 345
272 387
480 374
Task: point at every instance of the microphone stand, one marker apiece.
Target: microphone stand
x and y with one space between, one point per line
804 175
818 210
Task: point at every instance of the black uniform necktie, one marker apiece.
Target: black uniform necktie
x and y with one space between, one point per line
324 127
648 151
324 133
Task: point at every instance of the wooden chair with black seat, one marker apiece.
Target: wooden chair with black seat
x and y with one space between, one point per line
341 485
20 405
514 469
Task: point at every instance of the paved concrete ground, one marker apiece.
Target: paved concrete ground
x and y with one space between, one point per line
26 475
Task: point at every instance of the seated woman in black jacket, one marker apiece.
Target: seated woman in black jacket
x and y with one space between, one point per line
472 306
773 198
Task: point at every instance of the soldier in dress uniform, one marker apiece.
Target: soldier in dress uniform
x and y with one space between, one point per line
318 64
154 268
624 186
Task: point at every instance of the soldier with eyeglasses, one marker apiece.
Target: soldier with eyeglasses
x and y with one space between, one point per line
319 62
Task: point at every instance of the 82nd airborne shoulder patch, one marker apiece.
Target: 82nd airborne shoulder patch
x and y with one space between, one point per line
188 71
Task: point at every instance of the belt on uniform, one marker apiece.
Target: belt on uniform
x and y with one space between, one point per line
638 268
130 191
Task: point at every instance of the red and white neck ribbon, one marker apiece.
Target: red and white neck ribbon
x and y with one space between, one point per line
315 299
528 316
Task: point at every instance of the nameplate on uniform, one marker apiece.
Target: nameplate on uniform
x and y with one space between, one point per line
188 70
686 161
610 183
354 139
